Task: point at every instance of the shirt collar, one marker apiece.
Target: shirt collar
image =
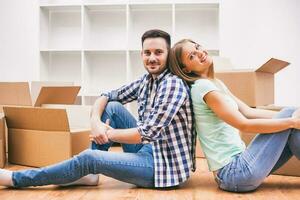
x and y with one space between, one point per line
159 77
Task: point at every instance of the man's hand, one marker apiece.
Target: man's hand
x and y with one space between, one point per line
98 132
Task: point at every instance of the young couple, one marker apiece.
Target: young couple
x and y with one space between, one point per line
159 148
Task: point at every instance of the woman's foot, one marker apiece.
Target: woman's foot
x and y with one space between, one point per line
6 178
88 180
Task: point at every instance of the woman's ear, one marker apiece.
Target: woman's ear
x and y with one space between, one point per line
185 70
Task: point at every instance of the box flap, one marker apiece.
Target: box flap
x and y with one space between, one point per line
43 119
272 66
35 87
15 93
57 95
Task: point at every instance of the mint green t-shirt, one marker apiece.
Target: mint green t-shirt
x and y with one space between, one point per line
219 140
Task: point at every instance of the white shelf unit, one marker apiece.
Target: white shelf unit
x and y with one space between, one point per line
97 43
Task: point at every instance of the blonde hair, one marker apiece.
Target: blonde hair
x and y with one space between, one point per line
176 66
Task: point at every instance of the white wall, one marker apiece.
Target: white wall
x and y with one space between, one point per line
252 31
19 40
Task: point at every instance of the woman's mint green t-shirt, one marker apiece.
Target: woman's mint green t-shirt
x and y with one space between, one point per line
219 141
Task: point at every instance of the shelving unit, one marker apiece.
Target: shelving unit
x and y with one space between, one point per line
97 43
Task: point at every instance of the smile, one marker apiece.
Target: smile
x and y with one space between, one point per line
204 59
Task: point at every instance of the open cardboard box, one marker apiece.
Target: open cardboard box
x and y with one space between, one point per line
42 136
254 87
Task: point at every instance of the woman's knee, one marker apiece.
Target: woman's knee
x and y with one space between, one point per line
294 143
286 112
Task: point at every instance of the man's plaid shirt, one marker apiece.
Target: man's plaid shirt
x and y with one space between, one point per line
165 122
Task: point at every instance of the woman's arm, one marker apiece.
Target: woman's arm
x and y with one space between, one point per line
215 100
252 113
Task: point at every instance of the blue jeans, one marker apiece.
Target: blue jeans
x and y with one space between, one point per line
265 154
135 165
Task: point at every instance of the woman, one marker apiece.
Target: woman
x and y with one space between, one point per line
219 116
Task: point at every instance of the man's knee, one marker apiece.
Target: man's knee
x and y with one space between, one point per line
112 106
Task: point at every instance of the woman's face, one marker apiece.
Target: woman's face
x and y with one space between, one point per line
195 59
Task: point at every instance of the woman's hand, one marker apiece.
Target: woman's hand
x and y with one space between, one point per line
296 116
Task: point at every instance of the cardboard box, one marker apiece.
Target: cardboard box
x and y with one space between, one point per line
42 136
254 87
2 141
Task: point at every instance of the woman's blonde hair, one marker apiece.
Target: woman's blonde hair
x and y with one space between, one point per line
176 65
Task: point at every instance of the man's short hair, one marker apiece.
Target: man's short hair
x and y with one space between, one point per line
156 33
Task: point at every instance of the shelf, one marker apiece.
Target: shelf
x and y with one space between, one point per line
104 71
105 2
60 50
105 26
202 19
58 3
61 66
60 27
146 17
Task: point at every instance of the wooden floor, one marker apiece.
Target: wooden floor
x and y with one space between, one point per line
200 186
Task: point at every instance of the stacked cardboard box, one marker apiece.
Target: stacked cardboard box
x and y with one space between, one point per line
254 87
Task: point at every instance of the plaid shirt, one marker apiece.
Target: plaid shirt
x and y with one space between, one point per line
165 122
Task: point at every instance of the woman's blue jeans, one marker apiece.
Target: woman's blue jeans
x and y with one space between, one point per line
135 165
265 154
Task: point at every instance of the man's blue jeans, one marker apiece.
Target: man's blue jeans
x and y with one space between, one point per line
135 165
265 154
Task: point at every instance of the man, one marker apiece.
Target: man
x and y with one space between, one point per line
159 146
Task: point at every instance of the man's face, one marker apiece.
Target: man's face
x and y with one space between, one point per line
155 55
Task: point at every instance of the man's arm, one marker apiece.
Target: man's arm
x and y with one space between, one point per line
98 128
